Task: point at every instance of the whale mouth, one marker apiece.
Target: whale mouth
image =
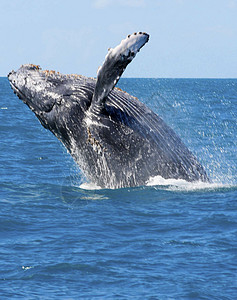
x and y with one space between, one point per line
16 91
15 88
37 108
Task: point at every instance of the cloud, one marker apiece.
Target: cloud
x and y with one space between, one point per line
128 3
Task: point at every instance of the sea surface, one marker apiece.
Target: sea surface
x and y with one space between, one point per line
62 239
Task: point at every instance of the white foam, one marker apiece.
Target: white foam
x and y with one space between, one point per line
183 185
89 186
27 268
169 185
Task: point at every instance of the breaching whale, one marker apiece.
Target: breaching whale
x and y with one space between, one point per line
116 140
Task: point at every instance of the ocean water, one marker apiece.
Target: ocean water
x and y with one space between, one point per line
62 239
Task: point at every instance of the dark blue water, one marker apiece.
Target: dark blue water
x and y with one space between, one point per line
167 241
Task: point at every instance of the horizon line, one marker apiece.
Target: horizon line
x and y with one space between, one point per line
161 77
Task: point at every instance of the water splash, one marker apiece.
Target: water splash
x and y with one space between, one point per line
176 185
89 186
208 110
183 185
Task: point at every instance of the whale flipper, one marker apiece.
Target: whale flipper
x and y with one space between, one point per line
113 67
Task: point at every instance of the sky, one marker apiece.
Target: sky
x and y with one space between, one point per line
188 38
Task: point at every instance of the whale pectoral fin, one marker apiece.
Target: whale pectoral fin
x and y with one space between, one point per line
113 67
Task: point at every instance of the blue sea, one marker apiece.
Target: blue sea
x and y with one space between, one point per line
63 239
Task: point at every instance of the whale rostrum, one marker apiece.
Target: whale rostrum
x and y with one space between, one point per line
116 140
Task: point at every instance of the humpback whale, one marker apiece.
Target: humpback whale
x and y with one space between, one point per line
116 140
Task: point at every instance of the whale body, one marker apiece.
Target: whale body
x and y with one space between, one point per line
116 140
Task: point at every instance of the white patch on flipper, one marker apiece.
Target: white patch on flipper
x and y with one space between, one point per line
113 67
132 44
98 71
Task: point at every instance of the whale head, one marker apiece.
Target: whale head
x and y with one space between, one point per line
31 85
54 98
